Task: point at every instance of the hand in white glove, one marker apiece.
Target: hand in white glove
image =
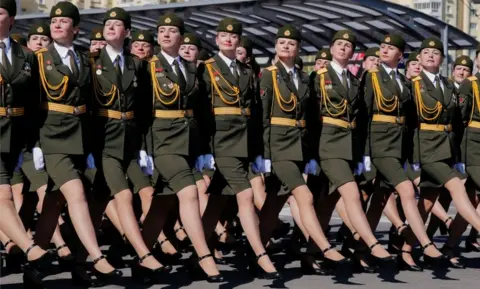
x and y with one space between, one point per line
19 162
209 162
416 167
367 163
38 160
258 166
142 159
90 162
199 164
358 170
267 165
460 167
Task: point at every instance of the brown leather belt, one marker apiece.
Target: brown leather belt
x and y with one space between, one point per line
388 118
116 114
231 111
12 111
339 122
69 109
287 122
436 127
159 113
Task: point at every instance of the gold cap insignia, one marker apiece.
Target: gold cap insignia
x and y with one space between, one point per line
377 53
323 54
432 43
141 37
464 62
58 11
229 27
346 36
113 14
168 20
387 40
287 33
40 29
186 40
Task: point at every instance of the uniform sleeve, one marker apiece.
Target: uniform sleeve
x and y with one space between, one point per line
204 113
412 123
33 116
313 118
462 116
266 97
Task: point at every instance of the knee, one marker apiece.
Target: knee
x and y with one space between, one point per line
5 194
124 197
245 198
188 195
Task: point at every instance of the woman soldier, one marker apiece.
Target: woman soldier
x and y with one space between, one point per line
435 150
176 109
289 118
97 41
63 143
142 44
17 115
337 91
388 105
230 88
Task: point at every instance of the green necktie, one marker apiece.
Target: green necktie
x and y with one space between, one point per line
344 79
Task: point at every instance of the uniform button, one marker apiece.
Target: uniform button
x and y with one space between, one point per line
122 95
186 122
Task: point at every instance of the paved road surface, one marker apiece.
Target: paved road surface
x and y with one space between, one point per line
455 278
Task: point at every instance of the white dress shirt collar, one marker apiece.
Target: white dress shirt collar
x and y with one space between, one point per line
339 70
225 59
62 50
8 44
170 59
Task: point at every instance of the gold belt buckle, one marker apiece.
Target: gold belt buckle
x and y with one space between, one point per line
76 110
445 128
298 123
9 111
124 116
398 119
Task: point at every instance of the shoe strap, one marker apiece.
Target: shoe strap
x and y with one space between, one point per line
402 226
61 247
30 248
204 257
406 252
98 259
327 249
7 243
448 219
375 244
163 242
221 234
354 233
261 255
427 245
178 229
141 259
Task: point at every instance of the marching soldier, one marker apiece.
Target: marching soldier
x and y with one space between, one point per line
142 44
387 99
38 36
435 150
338 94
290 116
191 47
177 109
62 147
97 41
322 59
18 76
371 59
413 66
230 88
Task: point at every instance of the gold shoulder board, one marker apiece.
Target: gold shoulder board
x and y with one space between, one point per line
208 61
322 71
416 79
272 68
472 78
41 50
154 58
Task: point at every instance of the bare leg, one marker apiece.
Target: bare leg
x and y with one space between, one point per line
462 202
296 215
112 214
17 191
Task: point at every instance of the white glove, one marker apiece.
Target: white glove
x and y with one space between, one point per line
209 162
142 159
90 162
38 160
367 163
267 165
19 162
199 164
358 170
416 167
311 167
258 166
460 167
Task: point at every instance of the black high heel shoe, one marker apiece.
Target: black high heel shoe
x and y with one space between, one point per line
309 266
334 264
14 258
384 260
65 262
258 271
182 244
197 273
229 243
35 270
469 245
146 275
109 277
444 229
81 278
395 239
402 265
165 257
440 261
448 251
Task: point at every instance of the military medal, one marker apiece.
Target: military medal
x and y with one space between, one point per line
99 70
217 78
170 85
49 66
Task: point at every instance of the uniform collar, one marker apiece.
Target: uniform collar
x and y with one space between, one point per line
457 85
431 76
113 54
8 44
225 59
388 69
288 70
170 59
339 70
62 50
